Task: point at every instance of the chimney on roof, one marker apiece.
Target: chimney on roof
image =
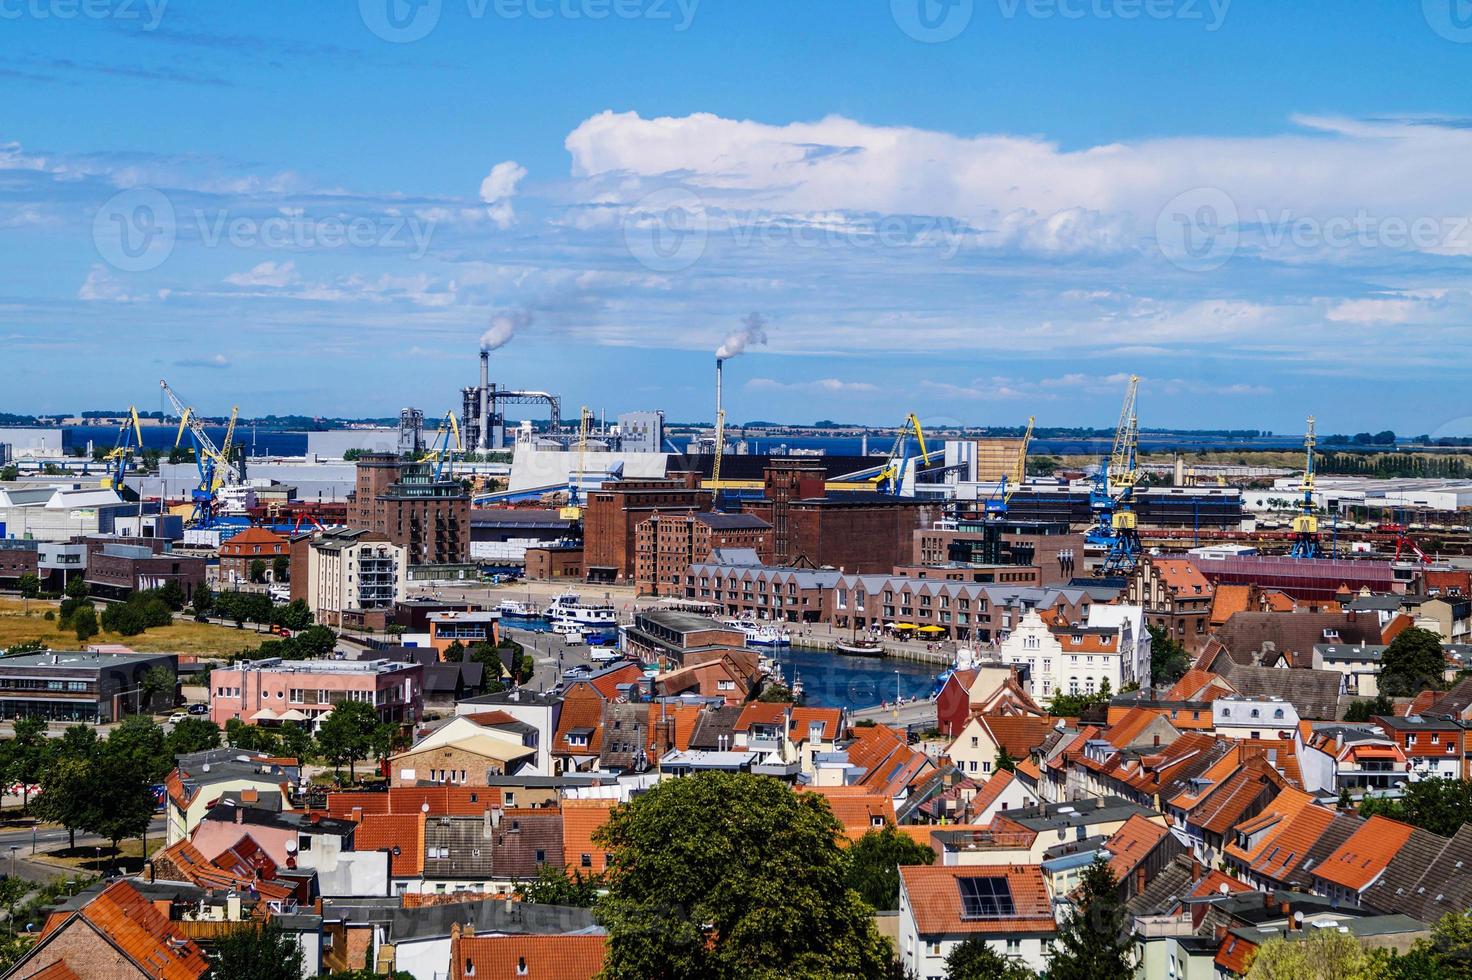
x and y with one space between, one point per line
1139 879
1195 868
1287 913
239 815
1267 900
1221 933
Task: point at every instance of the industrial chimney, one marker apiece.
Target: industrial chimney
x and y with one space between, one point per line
720 362
484 442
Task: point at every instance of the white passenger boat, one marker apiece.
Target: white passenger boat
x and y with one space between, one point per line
761 634
515 607
570 608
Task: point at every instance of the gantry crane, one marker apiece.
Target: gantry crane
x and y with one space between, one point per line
997 505
130 436
441 450
213 462
574 509
891 479
1306 524
1116 526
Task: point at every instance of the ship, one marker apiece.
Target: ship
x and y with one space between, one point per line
570 608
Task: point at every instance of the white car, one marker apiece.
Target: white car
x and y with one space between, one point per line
177 717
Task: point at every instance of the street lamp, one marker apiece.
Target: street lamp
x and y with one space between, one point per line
13 849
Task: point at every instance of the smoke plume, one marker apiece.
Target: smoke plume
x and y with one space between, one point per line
503 327
753 330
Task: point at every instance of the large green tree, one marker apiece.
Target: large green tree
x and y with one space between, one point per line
26 756
874 863
1439 805
1412 663
193 735
1168 659
346 734
723 875
974 959
1323 954
267 953
29 586
1094 940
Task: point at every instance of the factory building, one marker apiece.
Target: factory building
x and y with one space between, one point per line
667 544
429 518
482 414
1204 507
641 432
59 513
612 514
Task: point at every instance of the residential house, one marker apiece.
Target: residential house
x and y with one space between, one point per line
467 751
1006 905
1176 597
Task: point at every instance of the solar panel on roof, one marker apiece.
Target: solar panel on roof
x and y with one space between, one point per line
985 898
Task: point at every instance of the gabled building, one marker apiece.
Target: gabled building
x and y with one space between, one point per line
1006 905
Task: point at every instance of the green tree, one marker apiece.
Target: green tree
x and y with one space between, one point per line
975 960
9 473
1004 761
26 757
193 735
297 742
157 684
1366 709
753 889
295 615
204 599
257 570
76 598
1093 942
455 652
1322 954
1440 805
139 746
1412 663
280 569
346 734
267 953
1169 661
874 863
69 795
172 595
316 642
84 623
776 693
554 886
29 586
228 605
1449 949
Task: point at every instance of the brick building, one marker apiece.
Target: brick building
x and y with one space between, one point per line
18 557
1052 547
612 514
665 545
117 567
860 532
1176 597
429 518
251 545
561 561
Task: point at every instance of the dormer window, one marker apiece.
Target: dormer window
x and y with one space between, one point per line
521 966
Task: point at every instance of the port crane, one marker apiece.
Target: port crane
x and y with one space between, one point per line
130 437
1306 524
574 509
996 506
212 462
441 451
1116 526
891 479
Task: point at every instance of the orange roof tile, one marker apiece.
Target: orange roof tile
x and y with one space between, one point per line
580 819
56 971
991 790
804 718
1282 855
1181 575
762 713
388 831
144 934
1364 857
1130 726
1235 954
1211 884
608 684
1191 684
582 710
1018 734
1229 599
452 801
1132 843
1030 769
935 899
857 812
557 957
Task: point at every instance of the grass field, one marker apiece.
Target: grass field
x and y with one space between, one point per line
199 638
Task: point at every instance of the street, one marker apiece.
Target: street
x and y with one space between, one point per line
16 847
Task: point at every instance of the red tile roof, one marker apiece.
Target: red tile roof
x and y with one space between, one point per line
582 709
56 971
804 718
1132 843
935 899
991 790
580 819
451 801
857 812
386 831
762 713
1018 734
144 934
1364 857
558 957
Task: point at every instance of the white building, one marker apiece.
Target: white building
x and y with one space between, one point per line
1241 717
51 513
1112 648
353 573
1007 905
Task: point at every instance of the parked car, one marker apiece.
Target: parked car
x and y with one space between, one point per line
177 717
199 709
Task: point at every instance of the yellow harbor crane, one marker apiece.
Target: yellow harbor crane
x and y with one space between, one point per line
574 509
1012 480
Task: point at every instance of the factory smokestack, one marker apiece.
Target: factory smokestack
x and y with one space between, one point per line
484 433
720 363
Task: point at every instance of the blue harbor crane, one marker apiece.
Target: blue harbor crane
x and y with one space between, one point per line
212 462
1306 524
130 438
442 451
1116 526
996 505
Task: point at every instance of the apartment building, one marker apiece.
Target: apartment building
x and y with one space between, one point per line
350 577
1176 597
667 544
429 518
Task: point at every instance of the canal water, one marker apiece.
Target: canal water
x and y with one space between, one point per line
840 681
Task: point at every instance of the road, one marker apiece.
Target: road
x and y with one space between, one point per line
49 838
910 713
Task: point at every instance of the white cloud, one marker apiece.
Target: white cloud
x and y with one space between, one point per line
272 275
212 361
826 386
497 190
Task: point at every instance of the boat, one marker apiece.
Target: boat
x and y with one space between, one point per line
761 634
515 607
570 608
860 648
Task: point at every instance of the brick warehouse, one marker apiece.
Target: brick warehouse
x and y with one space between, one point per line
612 514
667 544
429 518
867 533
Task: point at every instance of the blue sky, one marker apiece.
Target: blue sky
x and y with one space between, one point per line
976 211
